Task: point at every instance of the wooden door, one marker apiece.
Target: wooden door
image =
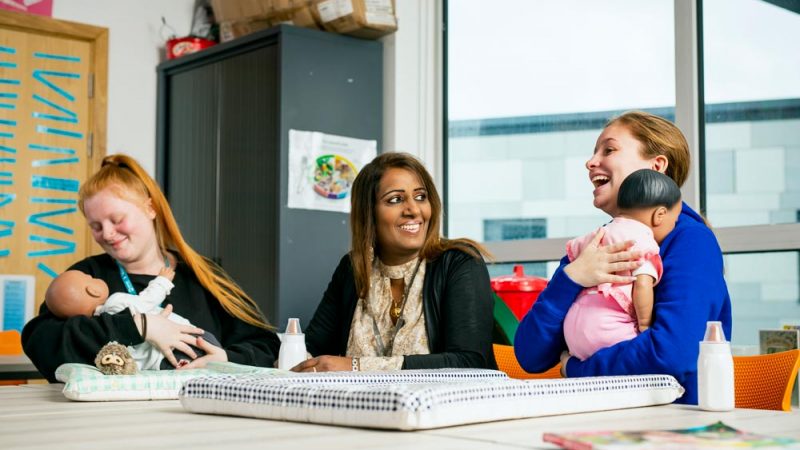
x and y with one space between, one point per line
52 122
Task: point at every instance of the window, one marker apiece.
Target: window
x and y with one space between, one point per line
765 292
752 157
529 85
513 229
752 112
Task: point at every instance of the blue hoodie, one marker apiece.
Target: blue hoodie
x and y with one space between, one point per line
691 292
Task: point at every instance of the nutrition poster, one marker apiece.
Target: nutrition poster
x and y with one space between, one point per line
322 168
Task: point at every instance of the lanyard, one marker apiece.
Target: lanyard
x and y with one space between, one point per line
126 280
387 351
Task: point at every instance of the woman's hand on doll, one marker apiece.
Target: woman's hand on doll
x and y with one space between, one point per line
166 335
213 353
325 363
599 264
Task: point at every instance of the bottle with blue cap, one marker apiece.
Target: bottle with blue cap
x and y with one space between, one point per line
715 388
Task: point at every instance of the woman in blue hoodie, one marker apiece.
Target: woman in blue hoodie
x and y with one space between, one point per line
691 292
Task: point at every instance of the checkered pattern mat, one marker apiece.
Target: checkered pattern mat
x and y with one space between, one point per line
418 399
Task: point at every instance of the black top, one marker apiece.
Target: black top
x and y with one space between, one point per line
49 341
458 306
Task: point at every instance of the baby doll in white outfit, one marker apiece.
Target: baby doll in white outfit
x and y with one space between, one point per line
75 293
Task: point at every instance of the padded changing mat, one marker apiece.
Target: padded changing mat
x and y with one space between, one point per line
85 383
422 399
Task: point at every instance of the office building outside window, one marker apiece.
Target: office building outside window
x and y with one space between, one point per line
530 85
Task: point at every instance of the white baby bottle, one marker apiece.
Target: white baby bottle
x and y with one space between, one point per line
293 346
715 370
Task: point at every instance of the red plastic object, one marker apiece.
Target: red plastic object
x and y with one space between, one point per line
518 291
183 46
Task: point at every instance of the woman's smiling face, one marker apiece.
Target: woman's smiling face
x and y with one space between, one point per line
402 215
124 229
617 154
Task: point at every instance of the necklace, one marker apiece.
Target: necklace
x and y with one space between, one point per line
397 307
384 350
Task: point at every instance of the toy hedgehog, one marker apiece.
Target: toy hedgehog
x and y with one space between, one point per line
114 359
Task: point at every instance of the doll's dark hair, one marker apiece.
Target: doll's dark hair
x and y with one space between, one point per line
646 188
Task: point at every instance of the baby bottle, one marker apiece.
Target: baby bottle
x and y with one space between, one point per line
715 370
293 346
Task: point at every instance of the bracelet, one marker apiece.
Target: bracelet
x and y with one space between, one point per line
356 363
144 326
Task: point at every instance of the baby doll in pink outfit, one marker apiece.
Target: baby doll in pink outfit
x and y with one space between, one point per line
649 204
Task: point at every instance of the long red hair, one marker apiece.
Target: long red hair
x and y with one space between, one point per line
126 178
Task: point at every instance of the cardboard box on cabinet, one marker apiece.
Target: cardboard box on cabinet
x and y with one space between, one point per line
242 17
298 15
369 19
231 30
238 10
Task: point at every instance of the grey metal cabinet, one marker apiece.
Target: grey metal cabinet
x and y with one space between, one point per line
224 117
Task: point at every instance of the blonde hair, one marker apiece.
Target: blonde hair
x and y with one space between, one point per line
658 136
363 229
126 178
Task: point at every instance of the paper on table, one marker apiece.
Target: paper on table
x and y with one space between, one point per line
716 435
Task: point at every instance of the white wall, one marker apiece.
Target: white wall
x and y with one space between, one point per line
412 109
135 49
412 87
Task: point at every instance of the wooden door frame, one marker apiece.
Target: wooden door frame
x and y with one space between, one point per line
97 38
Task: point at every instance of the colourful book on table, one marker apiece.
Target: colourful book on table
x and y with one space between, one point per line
714 436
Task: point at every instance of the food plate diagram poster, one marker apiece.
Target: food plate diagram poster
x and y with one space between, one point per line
322 168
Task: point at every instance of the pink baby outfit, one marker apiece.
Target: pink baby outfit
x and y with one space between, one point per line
603 315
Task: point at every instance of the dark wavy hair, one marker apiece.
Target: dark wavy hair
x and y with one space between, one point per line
363 229
646 188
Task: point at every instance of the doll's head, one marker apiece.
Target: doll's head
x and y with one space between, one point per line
74 293
651 198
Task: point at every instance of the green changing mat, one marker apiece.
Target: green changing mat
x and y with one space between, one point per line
86 383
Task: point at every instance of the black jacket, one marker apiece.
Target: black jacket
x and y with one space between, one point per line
457 303
49 341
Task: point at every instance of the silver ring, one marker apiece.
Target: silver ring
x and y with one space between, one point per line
315 369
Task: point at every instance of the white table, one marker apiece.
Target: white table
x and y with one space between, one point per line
38 416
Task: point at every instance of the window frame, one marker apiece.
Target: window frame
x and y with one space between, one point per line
689 117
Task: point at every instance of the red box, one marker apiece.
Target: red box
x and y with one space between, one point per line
183 46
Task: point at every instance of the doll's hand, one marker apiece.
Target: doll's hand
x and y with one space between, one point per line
213 353
565 356
167 272
599 264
